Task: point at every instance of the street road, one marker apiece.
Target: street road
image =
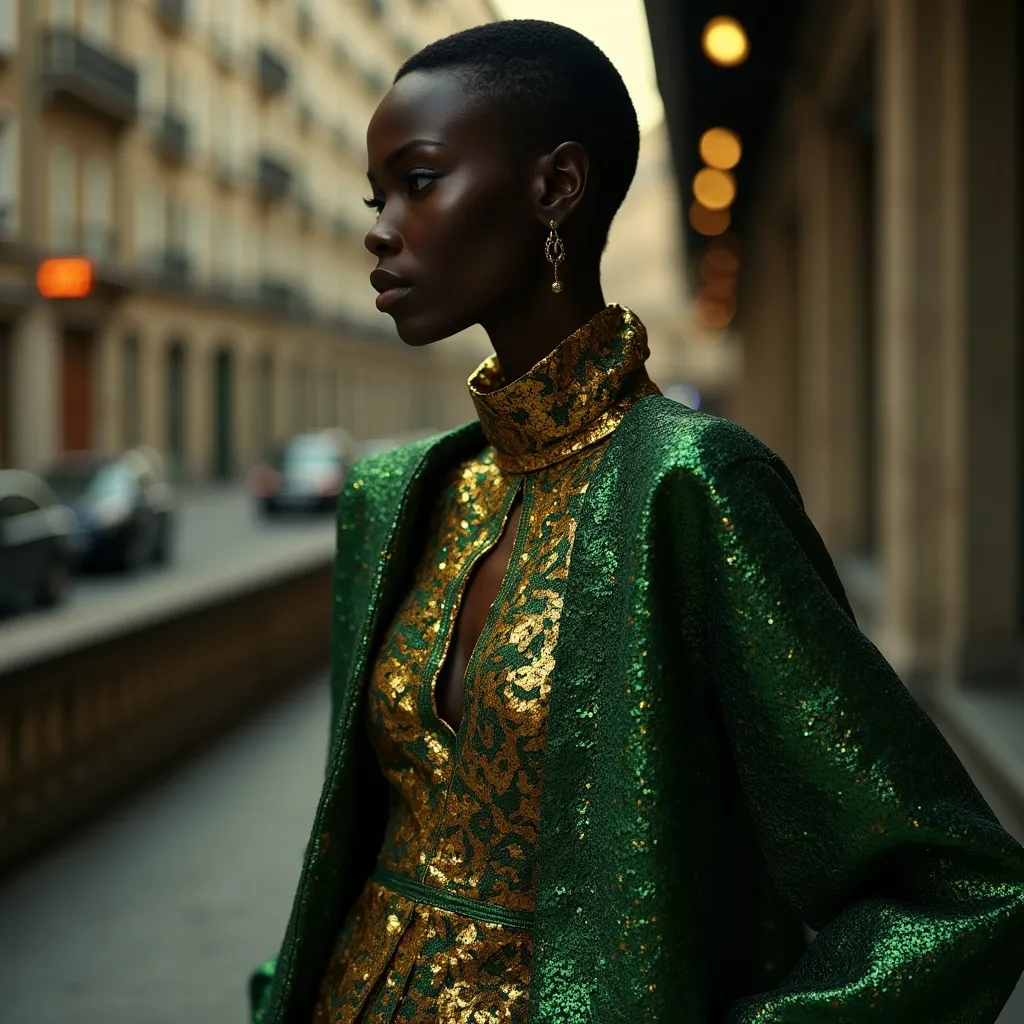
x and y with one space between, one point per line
218 530
156 913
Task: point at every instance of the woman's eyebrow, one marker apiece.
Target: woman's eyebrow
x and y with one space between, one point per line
393 157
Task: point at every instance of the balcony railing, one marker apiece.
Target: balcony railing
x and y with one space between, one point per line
283 298
173 137
88 76
172 14
273 177
271 71
173 266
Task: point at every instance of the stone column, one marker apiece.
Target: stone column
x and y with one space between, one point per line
829 326
948 319
35 368
912 181
766 401
980 422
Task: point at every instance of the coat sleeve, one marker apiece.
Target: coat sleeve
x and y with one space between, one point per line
873 831
259 989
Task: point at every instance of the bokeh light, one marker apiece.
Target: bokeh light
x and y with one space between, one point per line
725 42
714 189
719 261
721 148
715 313
709 222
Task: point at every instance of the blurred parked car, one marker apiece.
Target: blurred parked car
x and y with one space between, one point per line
124 509
303 474
35 541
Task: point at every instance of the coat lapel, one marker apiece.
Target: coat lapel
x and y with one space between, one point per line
378 529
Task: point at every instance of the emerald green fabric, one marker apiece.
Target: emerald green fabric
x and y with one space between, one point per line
727 757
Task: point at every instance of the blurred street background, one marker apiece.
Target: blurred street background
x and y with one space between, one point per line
823 238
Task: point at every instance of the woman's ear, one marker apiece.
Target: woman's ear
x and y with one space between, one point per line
560 182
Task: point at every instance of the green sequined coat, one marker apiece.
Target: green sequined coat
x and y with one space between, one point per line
727 757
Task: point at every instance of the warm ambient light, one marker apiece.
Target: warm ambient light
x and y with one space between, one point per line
68 277
721 148
720 261
709 222
714 189
715 314
725 42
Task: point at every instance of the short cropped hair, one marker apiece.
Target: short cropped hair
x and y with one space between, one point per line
558 86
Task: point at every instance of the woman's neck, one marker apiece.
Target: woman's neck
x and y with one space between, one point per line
526 333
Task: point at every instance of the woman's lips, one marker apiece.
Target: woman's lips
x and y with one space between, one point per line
387 298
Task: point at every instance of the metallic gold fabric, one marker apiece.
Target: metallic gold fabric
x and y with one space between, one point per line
726 756
465 806
573 397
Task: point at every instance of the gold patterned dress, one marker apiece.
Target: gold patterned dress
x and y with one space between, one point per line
443 929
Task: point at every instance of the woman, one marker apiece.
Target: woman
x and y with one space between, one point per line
605 733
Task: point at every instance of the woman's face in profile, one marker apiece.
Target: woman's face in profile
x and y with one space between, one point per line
456 231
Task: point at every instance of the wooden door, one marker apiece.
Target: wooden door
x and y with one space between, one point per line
77 390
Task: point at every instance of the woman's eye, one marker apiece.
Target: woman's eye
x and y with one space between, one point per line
374 204
418 182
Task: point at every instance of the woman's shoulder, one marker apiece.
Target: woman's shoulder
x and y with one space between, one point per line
668 435
384 462
381 478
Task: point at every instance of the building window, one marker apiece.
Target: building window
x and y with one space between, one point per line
96 21
153 81
62 13
132 425
177 224
197 237
8 25
150 224
98 213
10 178
63 196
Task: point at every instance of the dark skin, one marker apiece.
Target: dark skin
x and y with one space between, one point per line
463 214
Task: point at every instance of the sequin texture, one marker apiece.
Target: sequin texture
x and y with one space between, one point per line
465 806
726 757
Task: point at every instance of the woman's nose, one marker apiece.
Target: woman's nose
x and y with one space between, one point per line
382 239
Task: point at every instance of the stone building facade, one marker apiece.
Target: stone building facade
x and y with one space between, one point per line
207 156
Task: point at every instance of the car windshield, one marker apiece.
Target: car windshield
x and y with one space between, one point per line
308 451
97 480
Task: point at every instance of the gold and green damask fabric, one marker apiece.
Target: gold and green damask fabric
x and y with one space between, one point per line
726 756
464 811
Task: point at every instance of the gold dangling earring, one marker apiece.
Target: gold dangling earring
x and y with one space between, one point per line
554 250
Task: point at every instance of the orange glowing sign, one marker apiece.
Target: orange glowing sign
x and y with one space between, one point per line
66 277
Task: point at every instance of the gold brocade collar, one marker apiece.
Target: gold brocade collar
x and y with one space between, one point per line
572 398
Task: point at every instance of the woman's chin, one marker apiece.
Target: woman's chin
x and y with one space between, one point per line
417 331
